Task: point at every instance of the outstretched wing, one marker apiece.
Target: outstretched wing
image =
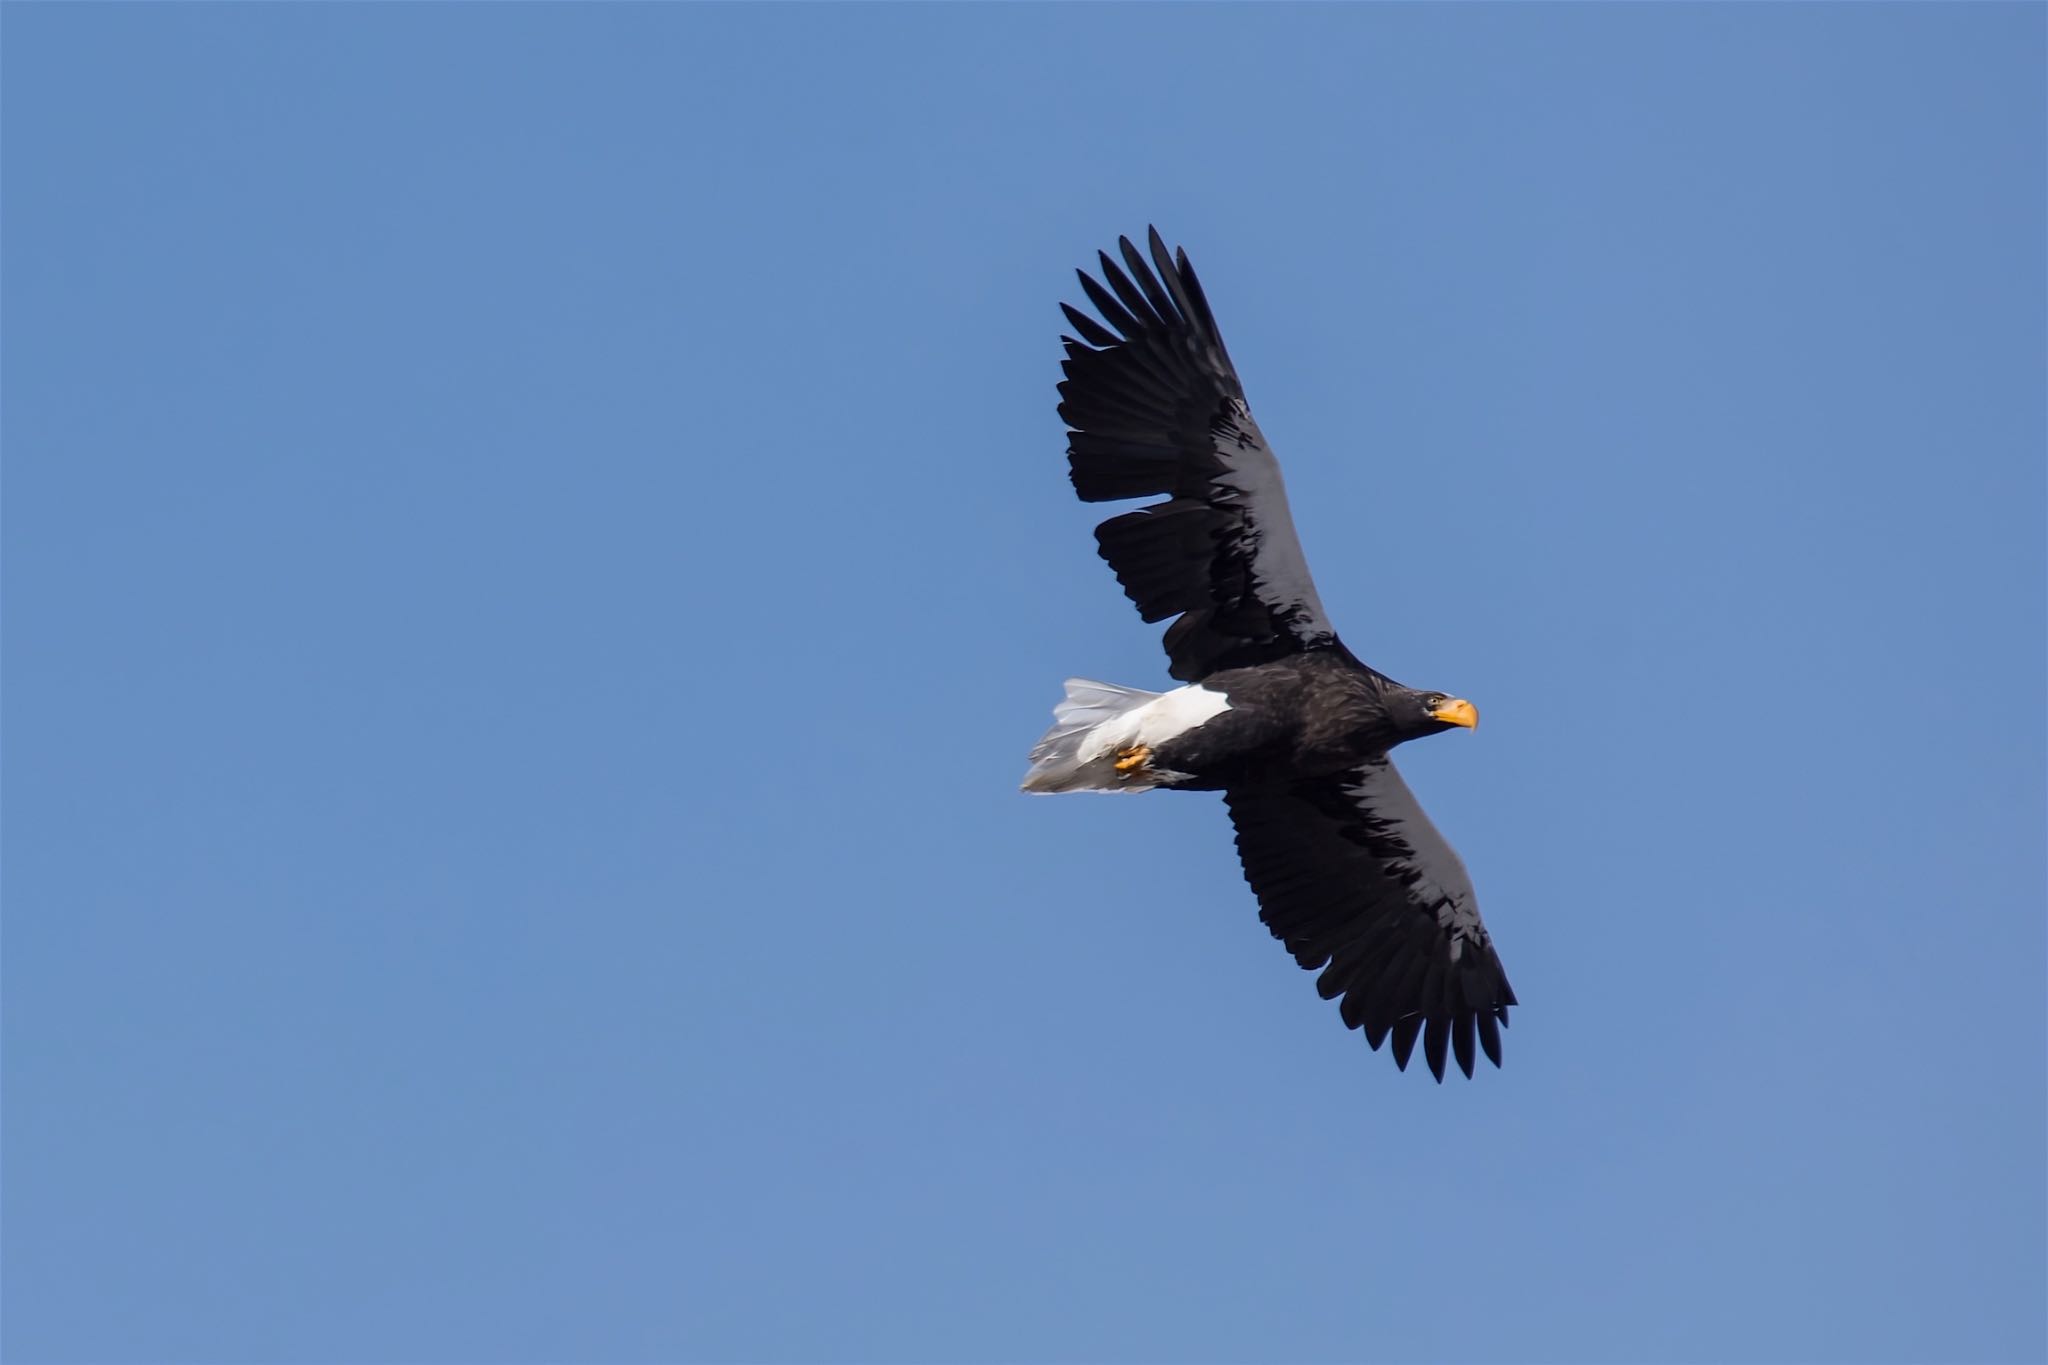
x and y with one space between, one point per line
1155 407
1354 879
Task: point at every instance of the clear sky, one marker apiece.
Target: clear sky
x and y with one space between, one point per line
537 540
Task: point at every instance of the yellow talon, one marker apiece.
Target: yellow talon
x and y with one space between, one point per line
1131 759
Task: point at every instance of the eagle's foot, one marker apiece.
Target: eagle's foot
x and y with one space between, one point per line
1130 760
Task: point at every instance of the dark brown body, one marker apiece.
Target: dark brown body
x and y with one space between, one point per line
1309 715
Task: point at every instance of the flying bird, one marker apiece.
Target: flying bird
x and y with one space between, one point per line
1275 713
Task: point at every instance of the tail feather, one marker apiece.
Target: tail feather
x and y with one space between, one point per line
1064 760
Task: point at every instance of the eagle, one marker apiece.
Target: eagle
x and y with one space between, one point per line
1274 712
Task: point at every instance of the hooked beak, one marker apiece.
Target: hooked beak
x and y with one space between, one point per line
1457 711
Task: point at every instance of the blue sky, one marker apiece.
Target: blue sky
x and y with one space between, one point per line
537 541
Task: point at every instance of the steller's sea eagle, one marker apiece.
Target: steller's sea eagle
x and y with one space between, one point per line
1277 714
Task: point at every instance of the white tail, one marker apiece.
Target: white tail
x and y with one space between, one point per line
1064 760
1096 719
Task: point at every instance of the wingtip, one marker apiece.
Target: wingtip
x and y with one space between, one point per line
1489 1037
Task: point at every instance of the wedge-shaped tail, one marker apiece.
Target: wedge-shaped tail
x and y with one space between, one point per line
1102 736
1072 756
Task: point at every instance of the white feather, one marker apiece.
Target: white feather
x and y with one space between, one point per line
1097 719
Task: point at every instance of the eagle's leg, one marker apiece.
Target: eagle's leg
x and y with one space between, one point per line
1131 759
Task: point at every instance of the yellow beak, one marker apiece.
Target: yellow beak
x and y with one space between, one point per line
1457 711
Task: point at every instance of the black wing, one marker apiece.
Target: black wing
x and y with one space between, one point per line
1155 407
1354 879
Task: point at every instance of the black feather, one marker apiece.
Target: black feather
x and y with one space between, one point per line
1132 298
1435 1035
1157 371
1405 1030
1489 1037
1162 304
1461 1039
1112 312
1354 879
1092 332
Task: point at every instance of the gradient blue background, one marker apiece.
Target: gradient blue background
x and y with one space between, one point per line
537 540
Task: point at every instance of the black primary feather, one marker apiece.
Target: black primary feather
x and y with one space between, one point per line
1154 407
1354 879
1350 875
